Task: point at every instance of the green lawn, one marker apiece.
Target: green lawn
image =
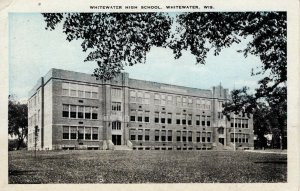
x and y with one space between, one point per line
146 166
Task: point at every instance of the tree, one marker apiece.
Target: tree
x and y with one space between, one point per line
17 120
36 138
113 39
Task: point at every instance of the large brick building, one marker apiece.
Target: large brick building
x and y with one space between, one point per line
76 111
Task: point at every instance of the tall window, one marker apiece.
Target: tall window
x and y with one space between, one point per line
169 118
132 135
208 105
80 133
147 118
184 136
203 120
80 111
147 134
190 102
156 117
65 132
203 137
163 99
178 136
132 115
87 113
94 112
198 104
139 97
197 119
146 98
140 134
156 135
198 137
184 119
208 121
163 135
170 100
178 118
87 133
95 133
140 116
163 118
178 101
73 132
65 89
116 125
116 92
169 135
156 99
208 137
190 137
132 96
190 119
184 102
65 112
73 111
73 90
116 106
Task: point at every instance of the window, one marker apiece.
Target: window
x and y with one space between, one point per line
73 93
203 120
169 135
208 137
139 97
94 95
80 133
116 125
184 102
203 137
65 92
178 136
65 112
87 94
146 98
73 133
163 135
184 136
198 103
197 119
94 112
80 111
132 96
190 119
116 92
80 93
147 118
198 137
163 118
208 105
116 106
140 116
87 132
178 119
231 125
132 134
163 99
190 137
156 117
190 102
221 130
156 135
132 115
169 100
95 133
140 135
73 111
156 99
169 118
65 132
220 115
178 101
87 113
183 119
147 134
208 121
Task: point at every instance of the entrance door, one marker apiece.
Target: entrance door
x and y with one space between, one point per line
221 140
116 139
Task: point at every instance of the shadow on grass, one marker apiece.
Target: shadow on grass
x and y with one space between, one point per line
21 172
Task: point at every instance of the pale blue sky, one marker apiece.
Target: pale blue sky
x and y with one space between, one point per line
34 51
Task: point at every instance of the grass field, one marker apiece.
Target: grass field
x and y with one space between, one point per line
146 166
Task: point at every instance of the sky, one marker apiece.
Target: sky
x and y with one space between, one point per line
33 51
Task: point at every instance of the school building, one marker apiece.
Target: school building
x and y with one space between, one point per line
74 110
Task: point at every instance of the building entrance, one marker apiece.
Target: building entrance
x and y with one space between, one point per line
116 139
221 140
